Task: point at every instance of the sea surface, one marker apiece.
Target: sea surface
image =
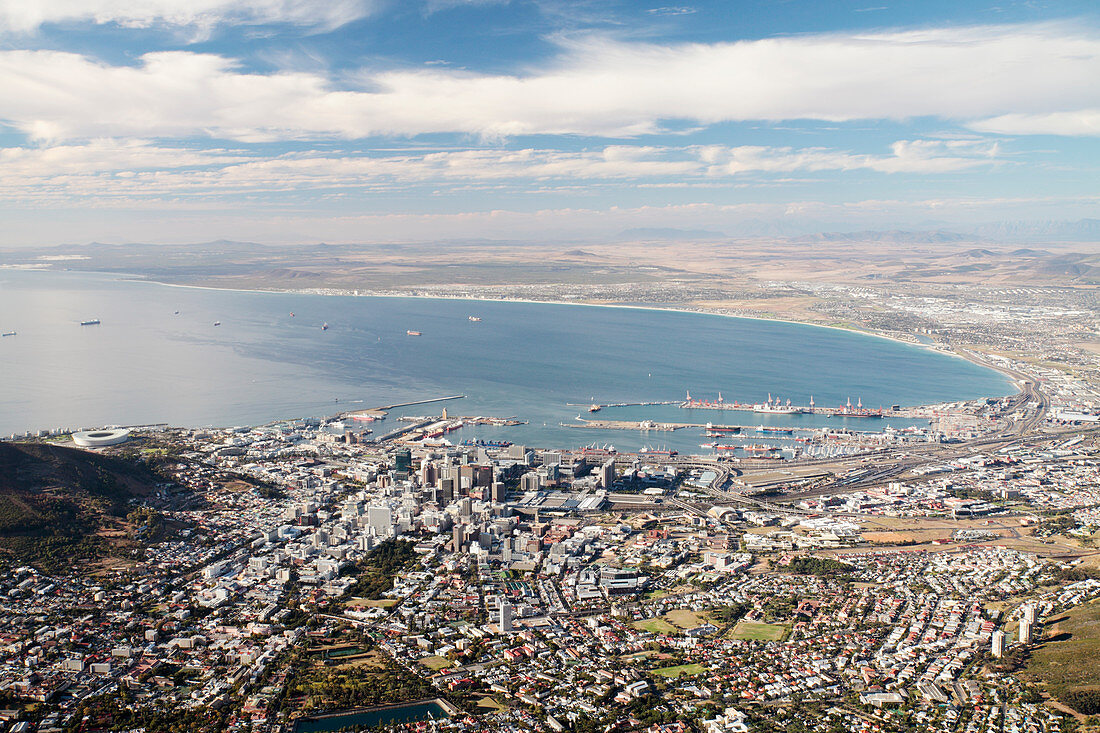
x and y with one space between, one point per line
157 357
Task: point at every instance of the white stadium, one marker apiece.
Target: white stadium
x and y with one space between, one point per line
100 438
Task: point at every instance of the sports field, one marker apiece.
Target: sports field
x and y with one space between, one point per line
758 632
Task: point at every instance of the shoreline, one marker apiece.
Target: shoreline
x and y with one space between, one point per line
340 293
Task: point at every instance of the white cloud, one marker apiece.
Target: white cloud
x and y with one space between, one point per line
435 6
596 87
672 10
909 156
1080 123
101 156
102 169
28 15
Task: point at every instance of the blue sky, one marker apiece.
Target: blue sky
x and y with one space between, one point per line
377 120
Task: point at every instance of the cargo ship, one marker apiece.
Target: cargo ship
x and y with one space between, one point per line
657 451
475 319
594 408
472 443
858 411
776 407
92 322
412 333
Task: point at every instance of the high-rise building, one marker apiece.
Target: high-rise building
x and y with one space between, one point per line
998 643
473 476
447 485
1029 613
402 461
459 537
498 493
380 520
428 473
530 482
1025 631
607 473
505 622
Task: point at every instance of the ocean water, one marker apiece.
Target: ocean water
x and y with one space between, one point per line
146 363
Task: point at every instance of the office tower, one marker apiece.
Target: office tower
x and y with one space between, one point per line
607 474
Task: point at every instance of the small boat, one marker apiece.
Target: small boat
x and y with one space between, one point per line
475 319
92 322
292 314
324 326
594 408
176 313
217 323
8 333
413 333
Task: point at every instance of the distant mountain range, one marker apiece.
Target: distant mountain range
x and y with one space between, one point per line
1083 230
890 235
668 233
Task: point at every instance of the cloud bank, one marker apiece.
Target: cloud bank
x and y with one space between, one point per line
25 16
134 169
1006 79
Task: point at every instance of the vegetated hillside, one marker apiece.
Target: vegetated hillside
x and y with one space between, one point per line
56 502
1065 662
